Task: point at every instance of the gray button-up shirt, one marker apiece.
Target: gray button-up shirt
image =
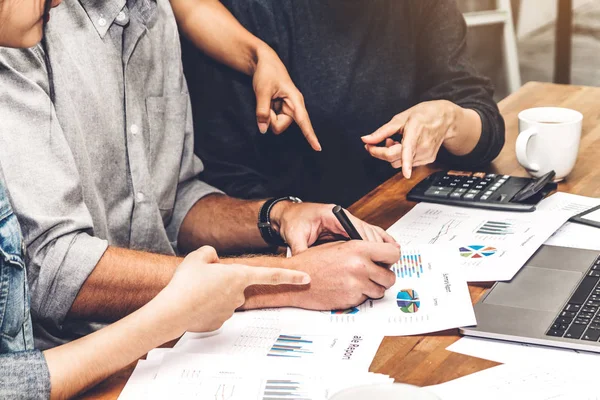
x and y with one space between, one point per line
111 162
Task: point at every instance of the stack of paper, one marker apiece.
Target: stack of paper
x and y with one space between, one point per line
264 354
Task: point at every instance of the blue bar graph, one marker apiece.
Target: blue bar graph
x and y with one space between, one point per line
291 346
410 265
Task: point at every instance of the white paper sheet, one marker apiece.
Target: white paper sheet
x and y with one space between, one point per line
487 245
429 295
577 236
203 376
513 381
262 338
571 203
570 234
140 382
593 216
520 353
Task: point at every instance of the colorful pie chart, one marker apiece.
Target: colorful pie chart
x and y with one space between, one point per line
477 251
408 301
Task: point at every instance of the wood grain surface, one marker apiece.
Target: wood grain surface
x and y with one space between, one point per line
424 360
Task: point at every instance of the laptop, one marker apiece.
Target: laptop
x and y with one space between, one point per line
554 300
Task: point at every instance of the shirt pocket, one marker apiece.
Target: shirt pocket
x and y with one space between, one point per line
166 126
14 301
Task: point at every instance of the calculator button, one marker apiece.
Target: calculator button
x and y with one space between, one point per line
506 176
489 193
479 187
460 191
466 185
452 184
475 192
484 197
479 175
444 192
469 196
455 195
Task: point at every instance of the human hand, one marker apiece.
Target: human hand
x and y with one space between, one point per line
303 224
344 274
278 100
424 129
204 294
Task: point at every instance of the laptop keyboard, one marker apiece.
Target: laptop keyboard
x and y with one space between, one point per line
580 318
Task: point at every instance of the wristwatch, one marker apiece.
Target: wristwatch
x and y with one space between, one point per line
264 221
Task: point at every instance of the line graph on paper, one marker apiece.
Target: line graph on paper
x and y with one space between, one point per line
445 230
225 392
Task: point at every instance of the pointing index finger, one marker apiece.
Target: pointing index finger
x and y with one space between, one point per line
297 110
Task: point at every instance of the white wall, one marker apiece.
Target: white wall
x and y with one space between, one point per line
537 13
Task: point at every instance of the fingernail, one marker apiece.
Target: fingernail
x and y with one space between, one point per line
306 279
319 148
262 127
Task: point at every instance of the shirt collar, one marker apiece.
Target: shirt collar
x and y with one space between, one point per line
102 13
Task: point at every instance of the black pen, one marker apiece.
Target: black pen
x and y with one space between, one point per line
339 213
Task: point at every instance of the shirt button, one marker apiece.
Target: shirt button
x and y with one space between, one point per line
102 22
139 197
121 16
134 129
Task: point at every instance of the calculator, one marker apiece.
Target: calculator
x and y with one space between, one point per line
483 190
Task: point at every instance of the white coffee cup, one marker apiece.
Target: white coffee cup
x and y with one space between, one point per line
397 391
549 140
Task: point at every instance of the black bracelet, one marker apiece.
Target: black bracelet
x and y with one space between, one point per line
267 232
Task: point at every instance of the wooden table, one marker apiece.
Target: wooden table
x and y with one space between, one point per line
424 360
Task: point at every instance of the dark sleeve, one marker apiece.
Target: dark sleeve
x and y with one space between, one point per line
24 375
446 73
227 138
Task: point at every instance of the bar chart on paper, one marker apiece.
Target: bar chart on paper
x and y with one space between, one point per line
292 346
410 265
499 228
278 389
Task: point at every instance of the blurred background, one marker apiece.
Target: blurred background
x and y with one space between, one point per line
535 35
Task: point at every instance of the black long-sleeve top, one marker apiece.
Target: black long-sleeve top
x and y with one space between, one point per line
358 63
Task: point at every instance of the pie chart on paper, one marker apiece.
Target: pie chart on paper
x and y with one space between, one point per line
477 251
408 301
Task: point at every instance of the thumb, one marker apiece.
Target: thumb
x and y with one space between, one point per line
391 128
205 254
263 109
297 244
276 276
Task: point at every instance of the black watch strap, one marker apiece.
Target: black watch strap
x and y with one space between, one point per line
264 221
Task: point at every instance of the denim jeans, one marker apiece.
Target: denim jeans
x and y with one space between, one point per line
15 318
23 370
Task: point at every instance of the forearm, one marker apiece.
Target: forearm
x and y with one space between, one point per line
85 362
465 132
225 223
212 28
122 282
